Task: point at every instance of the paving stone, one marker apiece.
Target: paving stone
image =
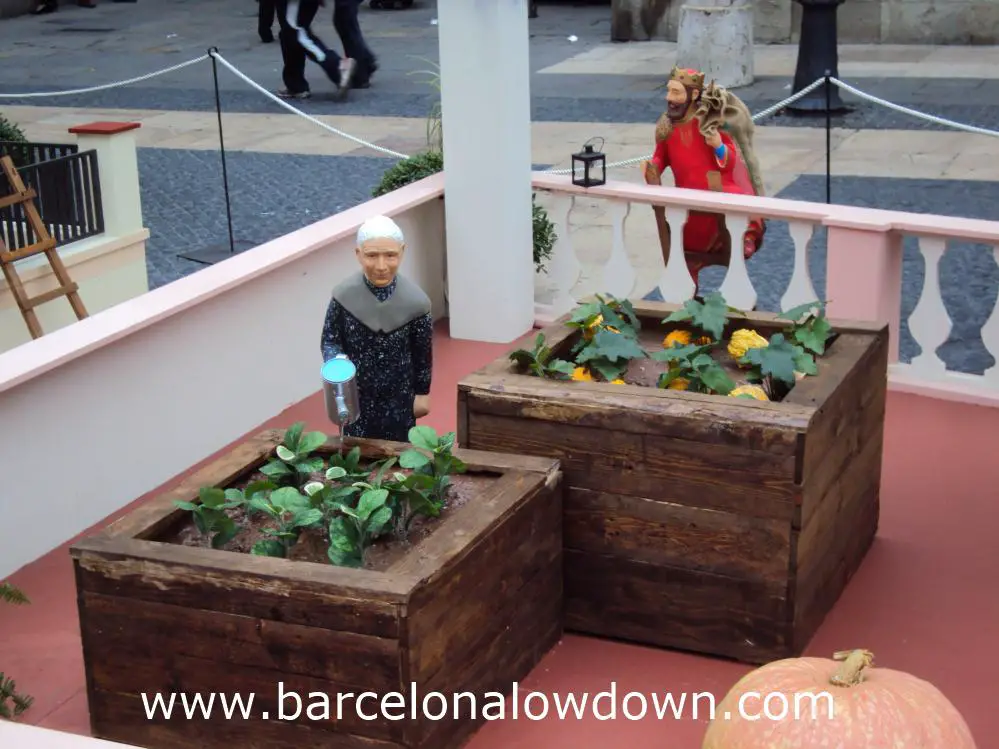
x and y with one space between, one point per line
183 199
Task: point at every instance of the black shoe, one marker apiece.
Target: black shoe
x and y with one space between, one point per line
267 38
43 8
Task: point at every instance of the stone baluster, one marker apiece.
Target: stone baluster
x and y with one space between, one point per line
676 284
618 274
737 288
799 289
929 323
564 269
990 336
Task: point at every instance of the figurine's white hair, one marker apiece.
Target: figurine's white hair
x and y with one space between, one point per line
379 227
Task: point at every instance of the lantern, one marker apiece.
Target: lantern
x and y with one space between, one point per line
589 167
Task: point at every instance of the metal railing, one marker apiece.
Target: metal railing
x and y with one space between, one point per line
24 154
68 198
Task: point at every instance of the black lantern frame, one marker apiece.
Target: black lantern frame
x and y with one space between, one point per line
588 162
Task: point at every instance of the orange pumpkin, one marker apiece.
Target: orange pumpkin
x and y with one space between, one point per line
866 708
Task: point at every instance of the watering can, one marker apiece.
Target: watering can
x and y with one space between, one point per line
340 391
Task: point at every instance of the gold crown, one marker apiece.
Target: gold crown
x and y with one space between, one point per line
688 77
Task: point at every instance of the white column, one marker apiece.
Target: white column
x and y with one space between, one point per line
486 107
119 172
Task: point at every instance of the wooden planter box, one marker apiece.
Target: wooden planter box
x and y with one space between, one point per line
702 522
471 608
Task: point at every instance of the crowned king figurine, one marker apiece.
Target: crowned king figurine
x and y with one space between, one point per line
706 137
381 321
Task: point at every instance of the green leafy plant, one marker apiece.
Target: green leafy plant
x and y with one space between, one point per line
10 132
353 530
777 362
694 364
351 465
295 462
291 511
210 515
12 702
409 170
437 463
541 362
810 329
709 316
545 235
609 341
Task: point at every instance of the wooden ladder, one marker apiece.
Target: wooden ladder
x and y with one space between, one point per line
44 244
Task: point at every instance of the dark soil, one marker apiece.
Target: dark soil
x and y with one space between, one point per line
312 545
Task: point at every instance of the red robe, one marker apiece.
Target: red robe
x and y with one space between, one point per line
696 166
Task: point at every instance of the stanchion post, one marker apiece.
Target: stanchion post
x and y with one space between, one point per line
225 170
828 137
216 253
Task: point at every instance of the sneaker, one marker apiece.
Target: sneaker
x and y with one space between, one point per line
347 67
286 94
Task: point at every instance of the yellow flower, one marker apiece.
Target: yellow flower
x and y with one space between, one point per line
582 374
680 383
752 390
618 381
744 340
676 338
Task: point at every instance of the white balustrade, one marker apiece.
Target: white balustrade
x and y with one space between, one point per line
929 324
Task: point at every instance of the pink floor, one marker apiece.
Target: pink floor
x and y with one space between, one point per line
924 600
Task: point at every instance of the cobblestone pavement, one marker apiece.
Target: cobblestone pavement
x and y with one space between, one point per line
80 47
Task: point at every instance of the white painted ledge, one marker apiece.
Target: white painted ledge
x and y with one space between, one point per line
21 736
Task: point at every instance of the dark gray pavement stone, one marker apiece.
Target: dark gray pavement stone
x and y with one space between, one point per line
969 276
183 200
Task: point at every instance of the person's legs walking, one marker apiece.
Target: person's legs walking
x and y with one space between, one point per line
348 28
293 55
299 17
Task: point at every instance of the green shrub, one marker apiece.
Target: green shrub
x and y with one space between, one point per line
11 132
410 170
427 163
12 702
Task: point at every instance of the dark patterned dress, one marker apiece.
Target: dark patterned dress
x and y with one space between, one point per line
393 367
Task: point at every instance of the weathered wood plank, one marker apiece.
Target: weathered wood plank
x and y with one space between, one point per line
475 460
122 717
673 470
767 427
667 534
675 608
297 593
487 578
330 707
849 417
117 626
833 544
503 656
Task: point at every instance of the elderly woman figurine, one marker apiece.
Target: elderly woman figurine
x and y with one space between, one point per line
381 322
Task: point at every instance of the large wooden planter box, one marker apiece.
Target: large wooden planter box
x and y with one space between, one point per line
701 522
470 608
